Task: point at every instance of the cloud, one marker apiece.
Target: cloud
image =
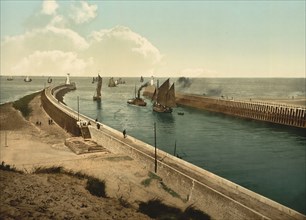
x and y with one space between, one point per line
51 63
14 49
122 51
50 37
82 12
49 7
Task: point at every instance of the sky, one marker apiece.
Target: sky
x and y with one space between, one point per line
161 38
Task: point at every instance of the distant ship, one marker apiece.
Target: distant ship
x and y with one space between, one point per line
111 82
137 100
164 98
94 79
141 79
27 79
49 80
119 81
97 96
10 78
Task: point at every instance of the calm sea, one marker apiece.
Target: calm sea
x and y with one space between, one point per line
265 158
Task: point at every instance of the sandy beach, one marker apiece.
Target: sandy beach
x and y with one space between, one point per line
28 145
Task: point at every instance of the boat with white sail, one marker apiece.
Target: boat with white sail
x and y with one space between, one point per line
27 79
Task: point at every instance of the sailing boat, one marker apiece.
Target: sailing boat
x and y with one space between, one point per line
10 78
97 96
111 82
137 100
164 98
49 80
27 79
141 79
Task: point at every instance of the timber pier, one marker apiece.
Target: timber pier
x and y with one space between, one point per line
290 115
277 113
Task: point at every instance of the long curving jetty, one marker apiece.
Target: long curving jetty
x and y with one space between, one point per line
278 113
218 197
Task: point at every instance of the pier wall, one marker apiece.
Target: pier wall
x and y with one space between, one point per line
263 111
214 195
52 106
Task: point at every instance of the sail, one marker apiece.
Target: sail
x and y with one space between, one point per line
162 93
111 82
99 86
171 97
154 96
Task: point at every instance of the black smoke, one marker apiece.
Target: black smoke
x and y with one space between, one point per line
142 86
184 82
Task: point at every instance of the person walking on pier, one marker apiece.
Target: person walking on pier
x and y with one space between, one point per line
124 133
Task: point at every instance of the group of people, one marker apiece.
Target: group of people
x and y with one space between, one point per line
50 121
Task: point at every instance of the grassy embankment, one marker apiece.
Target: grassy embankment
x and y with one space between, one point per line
153 208
23 104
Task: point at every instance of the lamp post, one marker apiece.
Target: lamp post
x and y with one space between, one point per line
78 109
155 147
5 139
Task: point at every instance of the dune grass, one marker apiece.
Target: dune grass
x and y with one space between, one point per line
157 210
153 176
23 104
95 186
8 167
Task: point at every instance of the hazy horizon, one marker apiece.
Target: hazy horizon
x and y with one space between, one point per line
162 76
203 39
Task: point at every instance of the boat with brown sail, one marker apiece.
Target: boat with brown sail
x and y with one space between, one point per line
164 98
97 95
111 82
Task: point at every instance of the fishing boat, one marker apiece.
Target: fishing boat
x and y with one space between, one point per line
120 81
164 98
49 80
97 95
137 100
10 78
27 79
141 79
111 82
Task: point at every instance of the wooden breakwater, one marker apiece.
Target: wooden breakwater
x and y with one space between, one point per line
270 112
290 115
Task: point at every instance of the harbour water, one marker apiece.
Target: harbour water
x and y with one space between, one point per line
265 158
